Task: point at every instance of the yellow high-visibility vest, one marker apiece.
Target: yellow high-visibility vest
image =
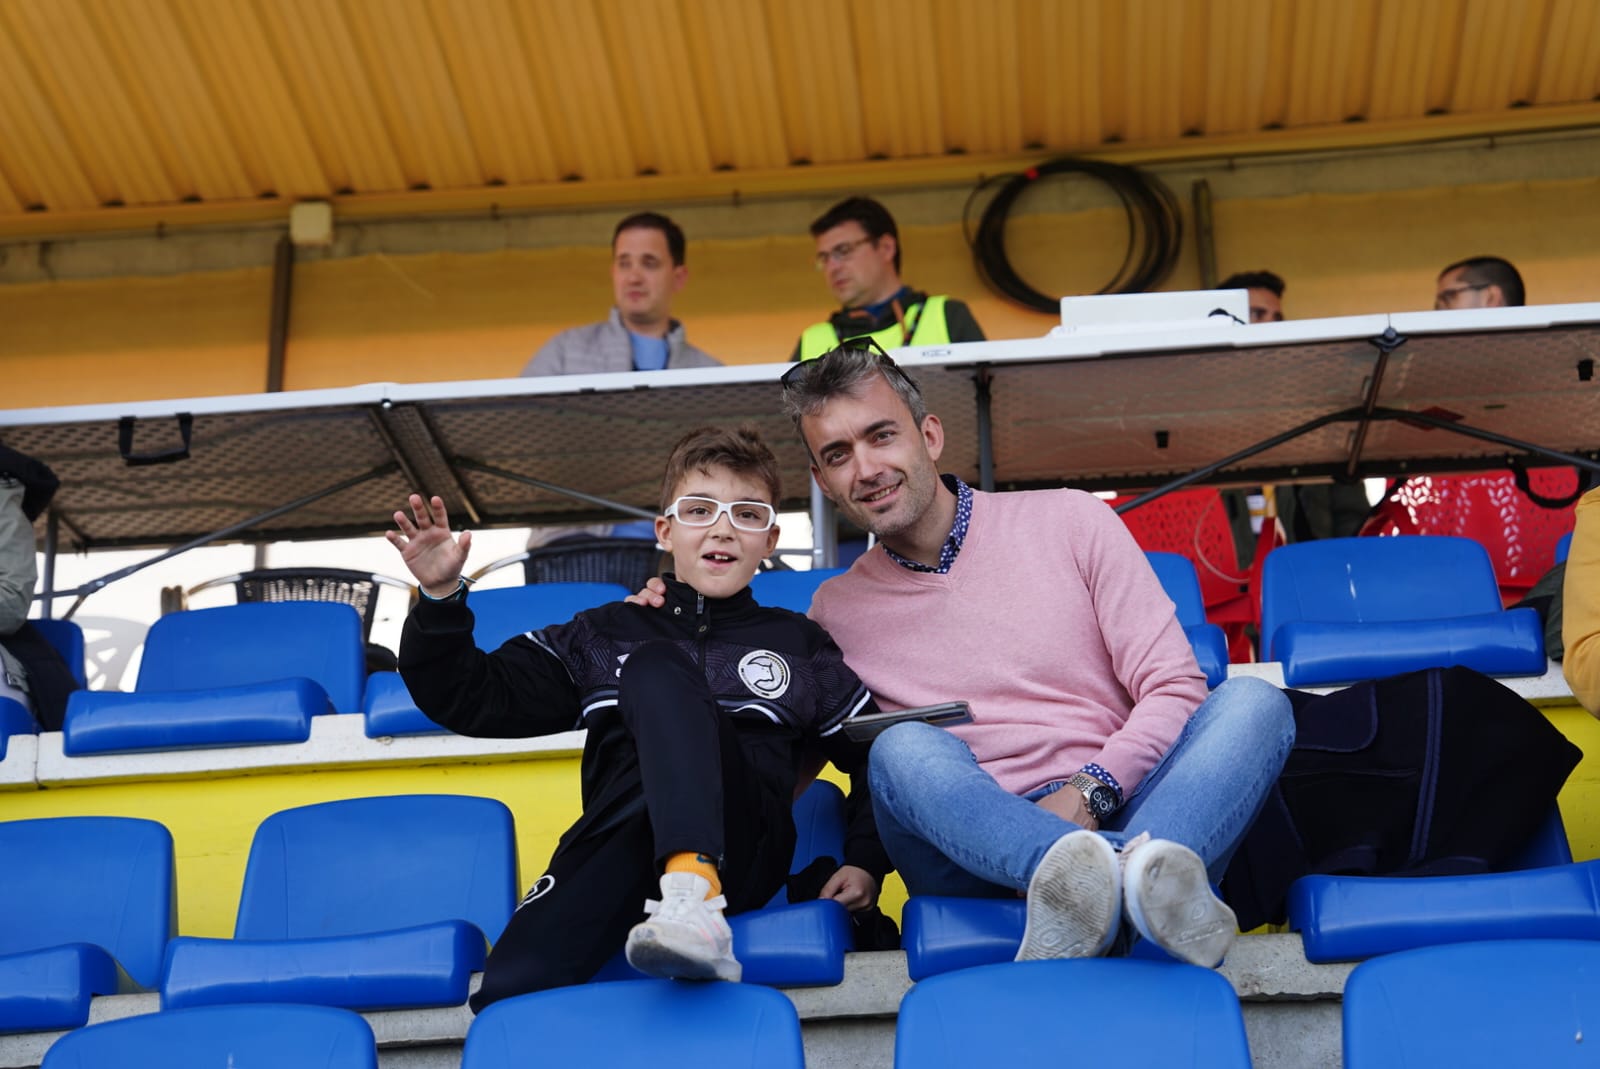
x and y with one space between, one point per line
930 329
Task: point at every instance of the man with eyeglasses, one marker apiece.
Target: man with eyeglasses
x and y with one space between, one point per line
858 251
1480 282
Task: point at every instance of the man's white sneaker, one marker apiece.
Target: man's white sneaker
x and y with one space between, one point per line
1074 900
686 937
1169 900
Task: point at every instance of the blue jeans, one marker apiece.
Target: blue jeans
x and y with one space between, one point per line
952 830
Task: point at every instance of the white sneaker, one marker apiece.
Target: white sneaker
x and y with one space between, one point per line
687 937
1168 897
1074 900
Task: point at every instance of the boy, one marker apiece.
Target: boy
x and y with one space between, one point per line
697 717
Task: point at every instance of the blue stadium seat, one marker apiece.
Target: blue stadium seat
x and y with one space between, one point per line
88 907
1344 609
1517 1002
228 676
790 590
1348 918
660 1024
1182 584
211 1037
1035 1012
389 710
67 638
14 720
498 615
792 945
943 933
506 612
368 903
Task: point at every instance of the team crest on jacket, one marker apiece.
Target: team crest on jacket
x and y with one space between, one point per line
765 673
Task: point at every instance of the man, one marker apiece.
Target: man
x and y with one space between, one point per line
647 271
1308 511
32 673
1481 282
1092 731
858 250
1266 294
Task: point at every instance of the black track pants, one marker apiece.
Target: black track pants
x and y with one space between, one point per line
673 776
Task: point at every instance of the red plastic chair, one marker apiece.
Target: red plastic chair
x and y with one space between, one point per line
1519 534
1194 524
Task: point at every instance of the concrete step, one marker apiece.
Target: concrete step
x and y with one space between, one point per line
1291 1013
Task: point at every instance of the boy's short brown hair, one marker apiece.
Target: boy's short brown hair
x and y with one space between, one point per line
741 451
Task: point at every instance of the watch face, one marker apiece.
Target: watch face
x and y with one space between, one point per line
1101 801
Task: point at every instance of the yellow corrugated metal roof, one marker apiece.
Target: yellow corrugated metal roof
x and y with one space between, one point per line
120 112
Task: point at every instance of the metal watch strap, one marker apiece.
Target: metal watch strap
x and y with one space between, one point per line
1091 789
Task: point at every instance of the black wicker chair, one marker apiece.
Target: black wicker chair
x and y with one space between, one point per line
356 589
583 559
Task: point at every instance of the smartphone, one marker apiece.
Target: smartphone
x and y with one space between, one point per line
868 727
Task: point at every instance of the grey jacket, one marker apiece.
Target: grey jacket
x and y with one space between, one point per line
604 346
18 566
18 574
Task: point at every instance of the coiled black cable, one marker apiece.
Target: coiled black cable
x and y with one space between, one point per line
1155 229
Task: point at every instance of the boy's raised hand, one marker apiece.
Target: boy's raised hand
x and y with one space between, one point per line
434 556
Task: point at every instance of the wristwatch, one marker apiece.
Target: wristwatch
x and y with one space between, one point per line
1102 800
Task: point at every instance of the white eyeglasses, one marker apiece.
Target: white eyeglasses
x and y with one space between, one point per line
705 511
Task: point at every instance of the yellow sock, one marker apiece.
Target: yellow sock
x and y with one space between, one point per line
700 865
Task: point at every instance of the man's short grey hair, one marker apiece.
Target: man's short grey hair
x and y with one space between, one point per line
807 387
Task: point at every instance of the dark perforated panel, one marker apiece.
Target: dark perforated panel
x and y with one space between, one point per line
1054 421
614 444
240 465
1102 418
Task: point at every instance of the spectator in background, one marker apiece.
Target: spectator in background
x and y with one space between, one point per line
1308 511
647 271
31 671
1481 282
1266 294
858 250
1580 596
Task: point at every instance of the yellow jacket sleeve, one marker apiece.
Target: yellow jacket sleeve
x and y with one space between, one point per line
1580 610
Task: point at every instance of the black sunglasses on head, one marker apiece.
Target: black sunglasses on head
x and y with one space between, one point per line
863 344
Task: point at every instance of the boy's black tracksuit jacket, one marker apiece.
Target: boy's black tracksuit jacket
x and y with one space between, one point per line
775 675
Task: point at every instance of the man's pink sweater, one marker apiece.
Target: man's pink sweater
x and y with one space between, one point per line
1051 624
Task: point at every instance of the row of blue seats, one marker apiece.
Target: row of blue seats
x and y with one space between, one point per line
1332 611
258 672
375 903
366 903
1346 609
1474 1004
216 677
